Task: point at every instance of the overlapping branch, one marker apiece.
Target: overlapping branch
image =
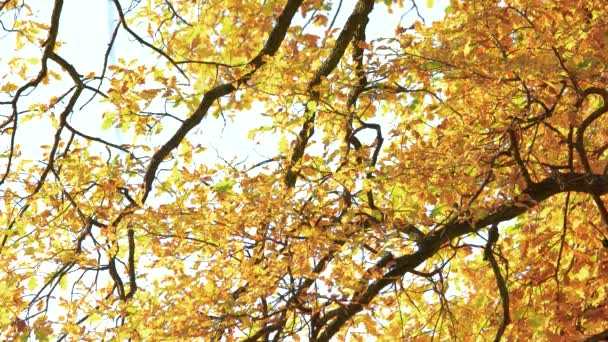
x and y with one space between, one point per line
580 146
49 46
432 242
354 29
270 48
357 18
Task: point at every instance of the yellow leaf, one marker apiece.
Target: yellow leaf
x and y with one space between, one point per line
8 87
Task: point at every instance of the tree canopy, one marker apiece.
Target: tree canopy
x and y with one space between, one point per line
441 181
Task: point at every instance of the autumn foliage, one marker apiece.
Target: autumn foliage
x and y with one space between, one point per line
443 181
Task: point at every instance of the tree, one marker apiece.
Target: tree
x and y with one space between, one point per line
442 182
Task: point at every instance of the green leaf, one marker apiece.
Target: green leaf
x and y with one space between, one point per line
535 320
582 274
283 145
108 120
513 229
32 283
430 3
312 106
224 186
432 65
252 133
467 48
437 210
63 283
41 335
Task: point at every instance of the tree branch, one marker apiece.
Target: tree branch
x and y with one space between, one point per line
431 244
270 48
500 281
357 18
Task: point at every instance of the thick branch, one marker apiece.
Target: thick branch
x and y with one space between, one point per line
270 48
602 336
579 144
357 18
62 117
500 282
49 46
537 193
518 159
